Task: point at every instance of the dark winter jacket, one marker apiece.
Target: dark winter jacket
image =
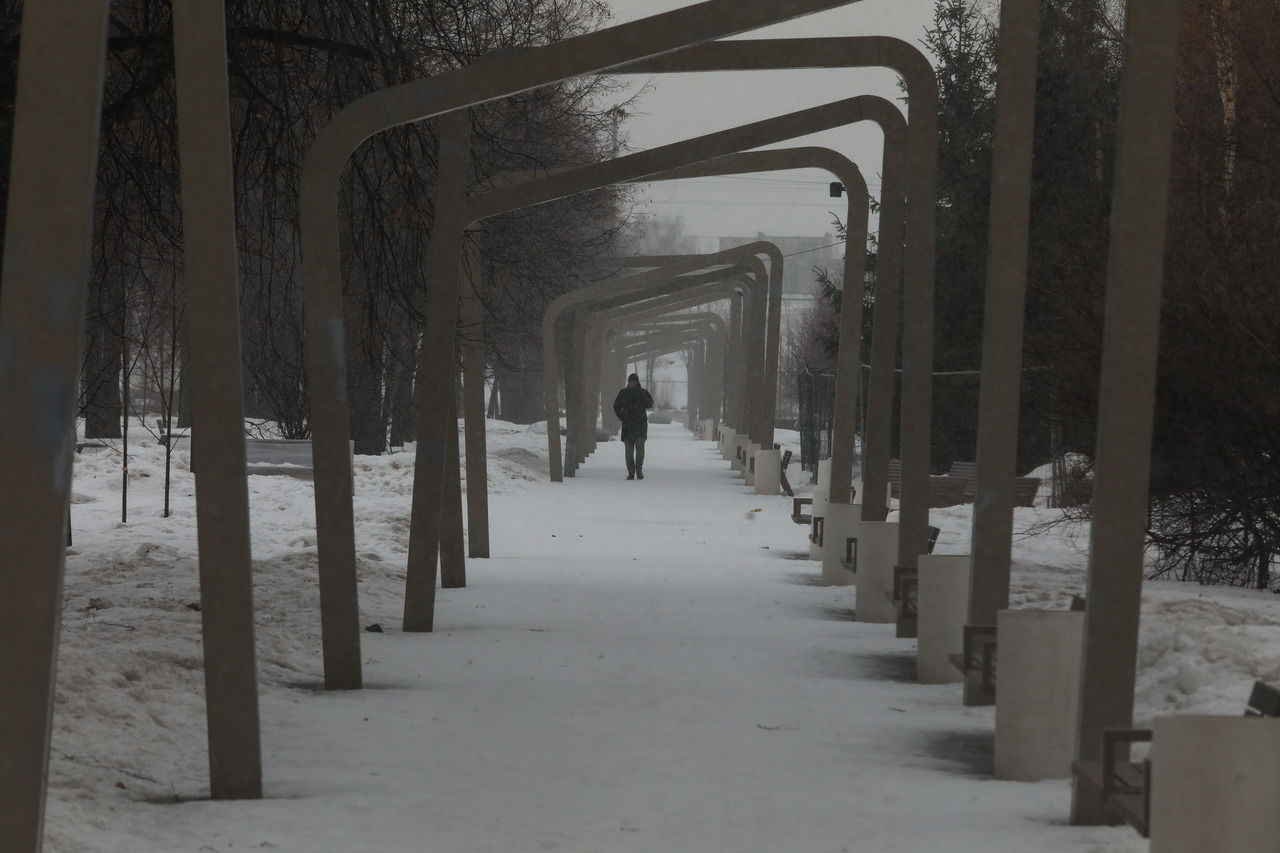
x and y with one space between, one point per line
629 406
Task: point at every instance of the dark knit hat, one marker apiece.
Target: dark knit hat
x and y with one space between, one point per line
633 378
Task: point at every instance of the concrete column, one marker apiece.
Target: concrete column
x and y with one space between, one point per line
877 557
453 561
1214 784
736 414
1038 693
942 600
473 370
749 451
50 216
436 412
1003 318
213 329
708 430
1126 403
839 523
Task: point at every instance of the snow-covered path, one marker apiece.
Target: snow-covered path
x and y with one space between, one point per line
640 666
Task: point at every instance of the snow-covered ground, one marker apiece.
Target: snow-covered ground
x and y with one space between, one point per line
640 666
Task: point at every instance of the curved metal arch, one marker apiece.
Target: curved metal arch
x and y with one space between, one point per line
565 301
665 295
324 318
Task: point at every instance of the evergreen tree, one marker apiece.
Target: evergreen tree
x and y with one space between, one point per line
964 44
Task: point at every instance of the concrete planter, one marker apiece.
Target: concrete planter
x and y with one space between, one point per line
840 523
942 602
749 451
1214 784
768 472
1037 693
877 556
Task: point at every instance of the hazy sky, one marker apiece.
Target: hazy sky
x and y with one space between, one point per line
781 203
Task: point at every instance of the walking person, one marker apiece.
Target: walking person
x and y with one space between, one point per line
629 406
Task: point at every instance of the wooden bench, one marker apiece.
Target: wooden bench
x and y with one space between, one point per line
946 491
798 515
1024 491
978 659
968 471
782 477
905 595
905 591
1124 786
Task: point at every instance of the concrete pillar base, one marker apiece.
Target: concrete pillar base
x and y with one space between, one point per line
740 441
708 431
725 442
877 556
1214 784
749 462
818 511
942 602
824 477
819 508
1038 694
768 472
840 523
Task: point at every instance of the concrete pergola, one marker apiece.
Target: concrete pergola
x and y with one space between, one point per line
707 338
657 288
657 313
613 364
694 339
921 171
892 125
425 534
489 78
47 238
49 227
656 284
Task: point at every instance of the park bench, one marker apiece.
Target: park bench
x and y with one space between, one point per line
906 589
968 471
1024 491
798 515
906 595
978 659
1124 785
944 489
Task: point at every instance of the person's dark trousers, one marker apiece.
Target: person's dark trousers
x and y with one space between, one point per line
635 456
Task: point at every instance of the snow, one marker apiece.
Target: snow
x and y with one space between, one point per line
640 666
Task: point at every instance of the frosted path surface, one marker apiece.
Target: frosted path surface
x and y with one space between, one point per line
641 666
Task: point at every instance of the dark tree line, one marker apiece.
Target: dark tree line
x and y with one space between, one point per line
292 66
1215 484
1076 101
1215 490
